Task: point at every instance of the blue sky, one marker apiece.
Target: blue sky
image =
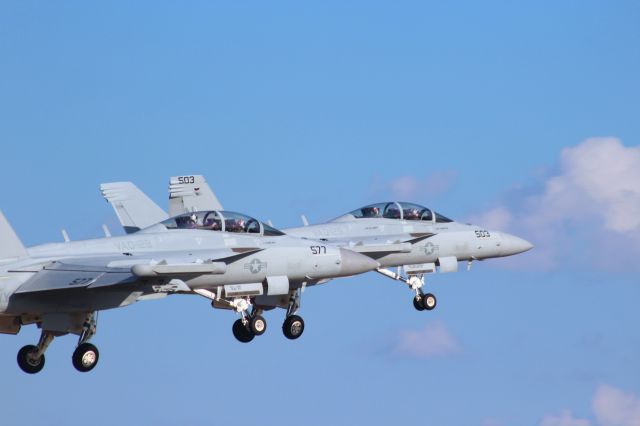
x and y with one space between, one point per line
292 107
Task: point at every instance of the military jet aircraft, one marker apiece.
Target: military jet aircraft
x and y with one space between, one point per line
232 259
409 236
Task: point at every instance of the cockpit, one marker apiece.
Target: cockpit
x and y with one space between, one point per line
223 221
397 210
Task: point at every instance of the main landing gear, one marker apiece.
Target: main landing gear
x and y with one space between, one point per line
421 301
86 355
293 327
31 358
253 324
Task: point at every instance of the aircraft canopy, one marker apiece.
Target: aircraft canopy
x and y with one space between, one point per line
398 210
223 221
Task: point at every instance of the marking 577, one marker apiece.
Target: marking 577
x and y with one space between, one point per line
318 249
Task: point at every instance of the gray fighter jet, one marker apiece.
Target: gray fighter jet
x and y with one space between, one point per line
414 238
234 260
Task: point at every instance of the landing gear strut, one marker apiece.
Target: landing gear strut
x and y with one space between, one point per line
421 301
86 355
293 325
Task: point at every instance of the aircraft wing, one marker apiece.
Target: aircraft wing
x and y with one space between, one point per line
91 273
191 193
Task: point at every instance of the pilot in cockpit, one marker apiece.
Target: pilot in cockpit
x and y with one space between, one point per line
370 211
234 225
212 224
412 214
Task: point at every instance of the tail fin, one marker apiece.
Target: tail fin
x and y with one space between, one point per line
190 193
134 209
10 244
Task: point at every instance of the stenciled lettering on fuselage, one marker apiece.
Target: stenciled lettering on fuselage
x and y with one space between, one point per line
134 245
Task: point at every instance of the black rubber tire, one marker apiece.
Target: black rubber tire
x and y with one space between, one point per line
429 301
85 357
258 325
293 327
27 366
417 303
241 332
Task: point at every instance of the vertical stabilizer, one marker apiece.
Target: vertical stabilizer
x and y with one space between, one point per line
134 209
191 193
10 244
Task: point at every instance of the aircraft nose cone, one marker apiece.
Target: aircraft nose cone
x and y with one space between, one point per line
355 263
514 245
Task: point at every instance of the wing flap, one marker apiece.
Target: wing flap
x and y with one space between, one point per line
60 279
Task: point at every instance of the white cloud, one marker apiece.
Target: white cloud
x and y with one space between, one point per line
564 419
432 340
593 200
613 407
498 218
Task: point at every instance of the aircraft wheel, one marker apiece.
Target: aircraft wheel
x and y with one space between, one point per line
85 357
258 325
241 332
27 363
417 303
429 301
293 327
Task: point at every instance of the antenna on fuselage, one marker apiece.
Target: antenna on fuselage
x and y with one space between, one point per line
65 235
305 222
105 229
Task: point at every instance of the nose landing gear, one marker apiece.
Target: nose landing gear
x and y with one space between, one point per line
421 301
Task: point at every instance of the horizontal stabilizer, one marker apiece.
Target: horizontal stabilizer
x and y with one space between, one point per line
10 244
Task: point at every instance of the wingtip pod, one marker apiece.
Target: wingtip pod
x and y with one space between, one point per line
10 245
